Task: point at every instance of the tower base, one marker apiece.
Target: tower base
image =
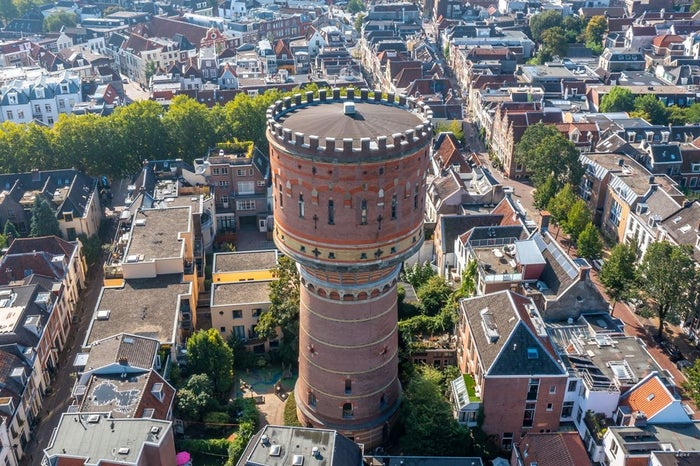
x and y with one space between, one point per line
371 435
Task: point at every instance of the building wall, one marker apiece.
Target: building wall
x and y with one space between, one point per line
504 401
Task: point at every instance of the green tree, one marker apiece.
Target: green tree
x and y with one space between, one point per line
44 221
208 353
429 427
359 21
195 397
665 276
553 43
10 231
454 127
595 30
545 192
8 10
92 247
245 118
112 9
284 309
468 285
695 6
651 109
433 295
417 274
56 21
678 116
618 272
590 245
576 219
544 151
356 6
693 113
573 27
543 21
150 70
560 205
692 384
86 144
139 133
619 99
189 127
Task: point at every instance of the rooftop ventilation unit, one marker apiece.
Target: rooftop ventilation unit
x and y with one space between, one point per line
349 108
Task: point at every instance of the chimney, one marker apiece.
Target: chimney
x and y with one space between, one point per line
584 272
651 179
620 162
544 221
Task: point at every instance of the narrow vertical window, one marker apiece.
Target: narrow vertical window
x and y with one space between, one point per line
281 197
348 386
415 198
331 212
363 212
301 205
394 206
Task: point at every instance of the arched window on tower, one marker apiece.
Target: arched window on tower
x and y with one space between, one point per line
363 212
331 212
394 206
301 205
347 410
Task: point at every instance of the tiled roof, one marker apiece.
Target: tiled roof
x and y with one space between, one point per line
649 396
51 244
554 449
665 40
508 354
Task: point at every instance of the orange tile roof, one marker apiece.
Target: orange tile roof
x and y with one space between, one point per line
554 449
651 397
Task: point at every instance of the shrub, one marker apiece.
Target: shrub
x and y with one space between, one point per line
290 412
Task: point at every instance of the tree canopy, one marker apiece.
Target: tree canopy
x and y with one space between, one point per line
595 32
544 152
44 221
619 99
56 21
667 276
284 309
118 144
543 21
589 244
618 271
651 109
208 353
195 397
577 218
356 6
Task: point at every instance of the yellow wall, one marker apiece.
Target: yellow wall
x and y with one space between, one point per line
247 275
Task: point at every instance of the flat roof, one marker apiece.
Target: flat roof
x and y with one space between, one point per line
369 120
155 233
119 395
241 293
96 436
244 261
145 307
634 175
288 445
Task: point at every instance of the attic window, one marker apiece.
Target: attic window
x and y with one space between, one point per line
651 396
12 98
67 216
489 325
157 391
532 353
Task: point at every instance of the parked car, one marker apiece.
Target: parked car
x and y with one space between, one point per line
683 364
673 352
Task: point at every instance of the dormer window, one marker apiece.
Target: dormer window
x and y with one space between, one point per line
39 91
12 98
157 391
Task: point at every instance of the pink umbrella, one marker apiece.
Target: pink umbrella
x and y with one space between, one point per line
182 458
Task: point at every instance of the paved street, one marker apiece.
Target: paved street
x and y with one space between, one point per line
59 399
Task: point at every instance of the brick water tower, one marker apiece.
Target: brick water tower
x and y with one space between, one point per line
349 189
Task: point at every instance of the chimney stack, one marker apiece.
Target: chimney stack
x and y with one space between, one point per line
544 220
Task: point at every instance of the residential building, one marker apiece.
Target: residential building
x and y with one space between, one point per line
275 445
632 445
29 93
72 195
97 437
655 401
244 266
503 345
236 308
239 183
550 449
30 339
